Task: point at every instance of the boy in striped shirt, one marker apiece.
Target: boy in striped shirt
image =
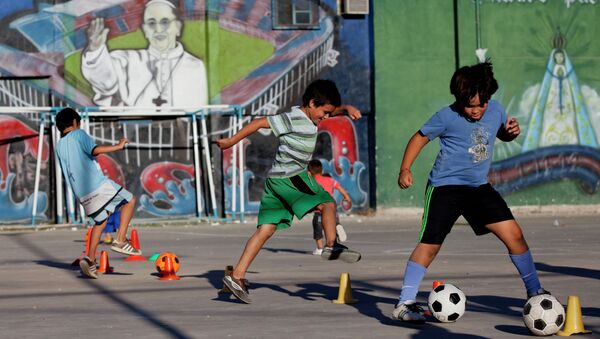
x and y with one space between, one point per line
289 189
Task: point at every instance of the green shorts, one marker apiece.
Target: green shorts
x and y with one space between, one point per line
285 197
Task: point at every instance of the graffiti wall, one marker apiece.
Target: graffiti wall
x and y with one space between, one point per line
544 56
177 53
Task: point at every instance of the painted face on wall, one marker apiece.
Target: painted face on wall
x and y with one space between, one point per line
161 27
475 109
559 57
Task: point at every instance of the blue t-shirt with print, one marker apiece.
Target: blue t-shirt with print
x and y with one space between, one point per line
79 166
466 146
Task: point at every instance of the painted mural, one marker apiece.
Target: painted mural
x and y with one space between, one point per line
176 53
545 60
560 140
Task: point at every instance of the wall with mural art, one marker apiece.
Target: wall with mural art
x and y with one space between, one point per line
183 53
545 59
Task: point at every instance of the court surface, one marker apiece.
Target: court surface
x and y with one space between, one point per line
42 296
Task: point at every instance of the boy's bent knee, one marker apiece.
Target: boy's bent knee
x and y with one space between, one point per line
266 229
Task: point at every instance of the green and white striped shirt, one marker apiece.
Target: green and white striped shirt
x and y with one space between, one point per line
297 136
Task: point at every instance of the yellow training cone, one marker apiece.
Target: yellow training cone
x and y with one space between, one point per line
228 271
345 293
573 323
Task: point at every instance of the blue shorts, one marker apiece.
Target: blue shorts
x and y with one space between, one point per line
122 197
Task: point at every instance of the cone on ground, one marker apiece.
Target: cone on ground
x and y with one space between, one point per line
135 242
104 264
228 271
574 322
345 292
88 237
169 272
435 284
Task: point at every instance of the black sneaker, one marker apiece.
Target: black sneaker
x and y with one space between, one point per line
409 311
341 252
238 287
88 268
538 292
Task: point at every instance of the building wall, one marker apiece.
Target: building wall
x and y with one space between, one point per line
247 62
417 48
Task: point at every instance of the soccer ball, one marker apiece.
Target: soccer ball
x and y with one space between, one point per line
447 303
543 314
161 261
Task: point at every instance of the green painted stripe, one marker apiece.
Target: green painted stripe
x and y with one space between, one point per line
426 211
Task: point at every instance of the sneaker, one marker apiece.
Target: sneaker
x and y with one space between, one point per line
124 248
341 233
539 292
317 251
341 252
238 287
88 268
409 311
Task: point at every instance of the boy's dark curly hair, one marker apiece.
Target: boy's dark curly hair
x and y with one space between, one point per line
469 81
323 92
65 118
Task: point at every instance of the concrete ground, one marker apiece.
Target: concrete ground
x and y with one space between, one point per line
42 296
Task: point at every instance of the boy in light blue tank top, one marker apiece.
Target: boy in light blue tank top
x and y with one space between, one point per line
99 196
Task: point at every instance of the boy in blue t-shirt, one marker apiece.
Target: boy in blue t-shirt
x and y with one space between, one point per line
458 183
99 196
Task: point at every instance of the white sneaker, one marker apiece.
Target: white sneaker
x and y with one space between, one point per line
341 233
409 311
317 251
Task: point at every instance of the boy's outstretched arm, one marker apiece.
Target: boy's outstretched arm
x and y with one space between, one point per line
110 148
344 193
247 130
353 112
413 148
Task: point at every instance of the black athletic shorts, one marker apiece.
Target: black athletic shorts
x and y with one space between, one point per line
480 206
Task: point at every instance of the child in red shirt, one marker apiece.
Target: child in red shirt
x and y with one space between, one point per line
315 168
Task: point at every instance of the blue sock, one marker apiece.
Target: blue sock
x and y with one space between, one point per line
413 275
526 268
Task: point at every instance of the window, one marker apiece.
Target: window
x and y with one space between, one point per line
295 14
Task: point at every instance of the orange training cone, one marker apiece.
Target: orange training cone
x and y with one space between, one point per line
573 323
135 242
104 265
88 237
169 272
435 284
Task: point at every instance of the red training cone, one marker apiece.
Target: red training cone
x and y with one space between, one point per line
88 237
437 283
169 272
104 265
135 242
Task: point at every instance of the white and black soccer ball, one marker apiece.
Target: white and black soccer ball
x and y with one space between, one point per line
447 303
543 315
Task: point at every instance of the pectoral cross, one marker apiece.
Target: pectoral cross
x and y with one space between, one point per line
158 101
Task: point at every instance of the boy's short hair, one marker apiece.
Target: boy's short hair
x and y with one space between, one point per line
469 81
65 118
315 166
322 92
